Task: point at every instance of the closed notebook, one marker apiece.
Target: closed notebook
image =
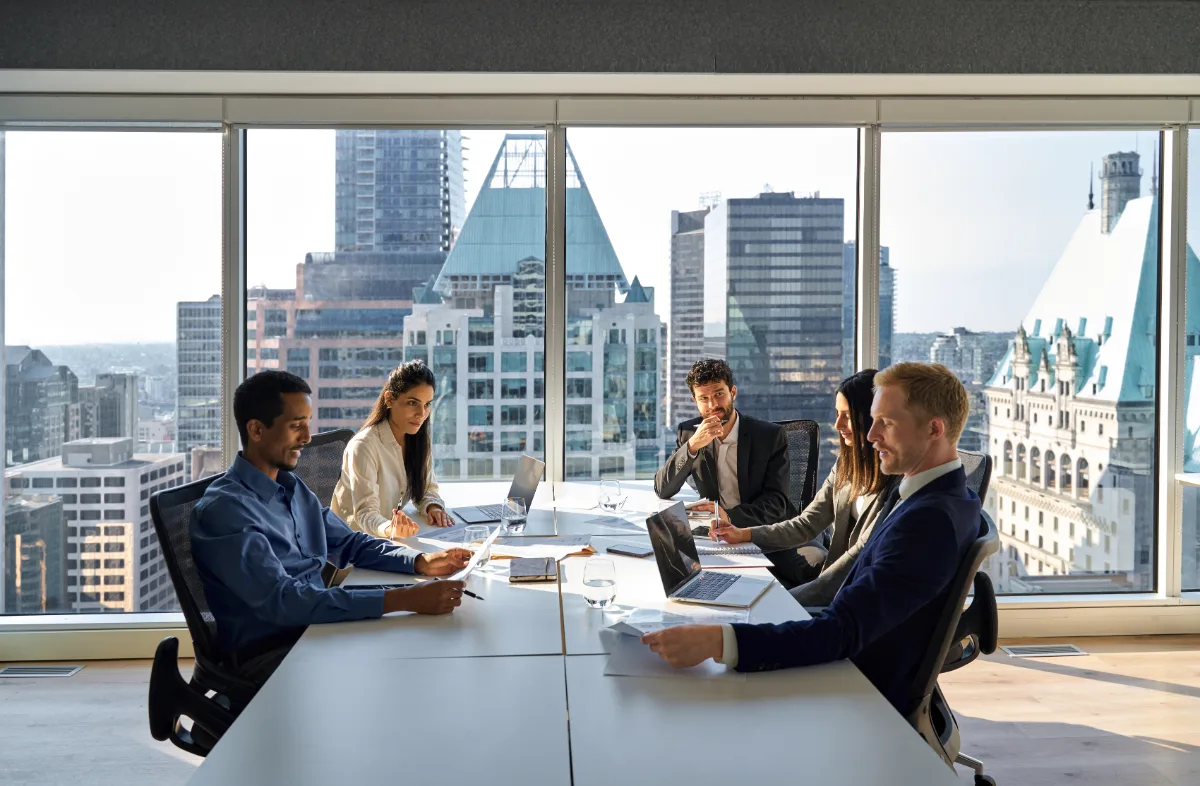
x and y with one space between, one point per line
532 569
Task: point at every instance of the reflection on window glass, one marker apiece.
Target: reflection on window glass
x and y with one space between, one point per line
1191 373
1027 263
367 248
733 245
112 324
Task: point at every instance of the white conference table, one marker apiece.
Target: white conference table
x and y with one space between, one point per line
483 694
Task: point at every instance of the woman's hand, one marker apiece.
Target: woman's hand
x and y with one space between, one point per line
402 526
438 516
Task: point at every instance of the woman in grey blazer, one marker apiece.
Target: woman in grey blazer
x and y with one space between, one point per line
853 498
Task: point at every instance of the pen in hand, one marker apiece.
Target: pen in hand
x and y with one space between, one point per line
472 594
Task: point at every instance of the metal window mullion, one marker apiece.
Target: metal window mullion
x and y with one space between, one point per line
233 281
867 246
1171 356
556 298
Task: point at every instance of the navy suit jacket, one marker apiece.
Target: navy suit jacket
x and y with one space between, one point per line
885 613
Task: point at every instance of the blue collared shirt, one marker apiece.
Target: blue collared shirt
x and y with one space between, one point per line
259 546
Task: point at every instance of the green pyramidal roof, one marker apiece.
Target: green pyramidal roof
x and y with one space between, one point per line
507 223
638 293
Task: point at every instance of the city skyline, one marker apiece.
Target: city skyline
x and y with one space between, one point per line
948 192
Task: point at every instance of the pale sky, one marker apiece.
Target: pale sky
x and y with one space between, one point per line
106 232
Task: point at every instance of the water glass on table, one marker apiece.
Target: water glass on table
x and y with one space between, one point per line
513 515
610 496
599 582
474 537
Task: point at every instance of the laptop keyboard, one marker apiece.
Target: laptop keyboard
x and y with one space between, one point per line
708 586
491 511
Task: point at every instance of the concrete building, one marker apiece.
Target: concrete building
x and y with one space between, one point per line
687 307
1072 407
114 562
962 352
481 328
109 408
198 375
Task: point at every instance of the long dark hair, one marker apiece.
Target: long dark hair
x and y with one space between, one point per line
858 463
417 447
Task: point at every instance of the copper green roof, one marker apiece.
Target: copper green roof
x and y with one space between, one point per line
507 223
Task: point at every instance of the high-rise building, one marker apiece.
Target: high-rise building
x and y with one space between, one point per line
109 408
39 405
341 328
481 328
35 555
114 562
1072 407
784 302
399 190
687 307
887 306
198 375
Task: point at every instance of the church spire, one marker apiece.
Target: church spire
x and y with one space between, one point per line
1092 187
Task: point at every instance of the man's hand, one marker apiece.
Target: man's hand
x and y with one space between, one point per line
438 516
686 645
724 532
710 429
442 563
402 526
430 597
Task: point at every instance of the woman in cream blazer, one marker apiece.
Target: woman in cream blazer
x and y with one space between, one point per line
388 463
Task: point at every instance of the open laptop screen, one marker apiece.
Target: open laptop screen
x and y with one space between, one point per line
674 546
525 481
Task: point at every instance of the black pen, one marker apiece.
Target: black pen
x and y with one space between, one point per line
472 594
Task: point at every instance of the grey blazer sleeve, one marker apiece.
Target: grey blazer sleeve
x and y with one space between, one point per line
796 531
671 476
820 591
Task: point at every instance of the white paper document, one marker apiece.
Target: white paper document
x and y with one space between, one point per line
640 621
707 546
716 561
554 548
631 658
474 561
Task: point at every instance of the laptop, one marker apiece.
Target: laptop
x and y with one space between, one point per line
524 486
679 566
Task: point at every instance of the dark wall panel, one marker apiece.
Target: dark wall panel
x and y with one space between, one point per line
722 36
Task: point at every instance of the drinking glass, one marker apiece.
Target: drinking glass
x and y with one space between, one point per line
599 582
513 515
473 539
610 496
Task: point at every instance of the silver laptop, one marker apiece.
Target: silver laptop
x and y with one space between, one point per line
524 486
679 566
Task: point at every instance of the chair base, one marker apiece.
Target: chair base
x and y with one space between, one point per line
975 766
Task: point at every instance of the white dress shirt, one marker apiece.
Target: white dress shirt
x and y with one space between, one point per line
909 485
373 482
727 466
727 472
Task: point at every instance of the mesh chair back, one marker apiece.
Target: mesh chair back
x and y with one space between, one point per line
320 463
803 438
171 511
978 467
988 542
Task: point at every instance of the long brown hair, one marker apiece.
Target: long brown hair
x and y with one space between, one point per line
417 447
857 462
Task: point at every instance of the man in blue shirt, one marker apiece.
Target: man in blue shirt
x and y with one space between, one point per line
260 538
885 613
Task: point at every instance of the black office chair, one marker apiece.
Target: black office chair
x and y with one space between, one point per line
804 437
978 467
172 699
931 715
319 467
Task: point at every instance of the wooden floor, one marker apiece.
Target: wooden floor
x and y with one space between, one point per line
1126 714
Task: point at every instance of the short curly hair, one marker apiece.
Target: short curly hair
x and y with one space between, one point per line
708 371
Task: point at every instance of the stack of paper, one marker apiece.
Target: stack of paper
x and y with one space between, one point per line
554 548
